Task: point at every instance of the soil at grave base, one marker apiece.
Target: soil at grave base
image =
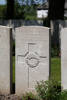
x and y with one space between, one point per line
9 97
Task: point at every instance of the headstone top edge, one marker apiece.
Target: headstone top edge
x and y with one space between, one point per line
63 29
6 27
32 27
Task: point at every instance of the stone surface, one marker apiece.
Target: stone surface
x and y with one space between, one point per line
5 57
64 58
32 57
9 97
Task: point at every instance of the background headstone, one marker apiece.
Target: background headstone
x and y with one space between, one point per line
64 58
32 57
5 60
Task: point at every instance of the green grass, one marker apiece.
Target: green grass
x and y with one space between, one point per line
13 69
55 69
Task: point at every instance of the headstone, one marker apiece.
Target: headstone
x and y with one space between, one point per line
5 60
64 58
32 57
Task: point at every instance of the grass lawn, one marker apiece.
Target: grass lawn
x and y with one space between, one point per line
13 69
55 69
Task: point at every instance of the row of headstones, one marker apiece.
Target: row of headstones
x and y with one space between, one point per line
32 58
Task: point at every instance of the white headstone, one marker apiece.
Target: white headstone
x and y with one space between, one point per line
32 57
64 58
5 57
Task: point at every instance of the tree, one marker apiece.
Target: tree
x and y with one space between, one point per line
19 11
27 11
56 9
10 9
2 11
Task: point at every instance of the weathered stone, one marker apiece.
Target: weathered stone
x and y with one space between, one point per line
9 97
32 57
64 58
5 60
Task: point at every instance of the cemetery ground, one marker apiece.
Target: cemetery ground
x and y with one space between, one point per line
55 74
55 70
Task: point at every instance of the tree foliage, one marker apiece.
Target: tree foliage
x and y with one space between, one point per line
10 9
25 11
17 10
56 9
2 11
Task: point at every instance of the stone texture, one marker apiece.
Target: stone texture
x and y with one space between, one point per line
9 97
32 57
5 57
64 58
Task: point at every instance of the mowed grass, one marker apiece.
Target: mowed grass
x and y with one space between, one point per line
13 69
55 69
